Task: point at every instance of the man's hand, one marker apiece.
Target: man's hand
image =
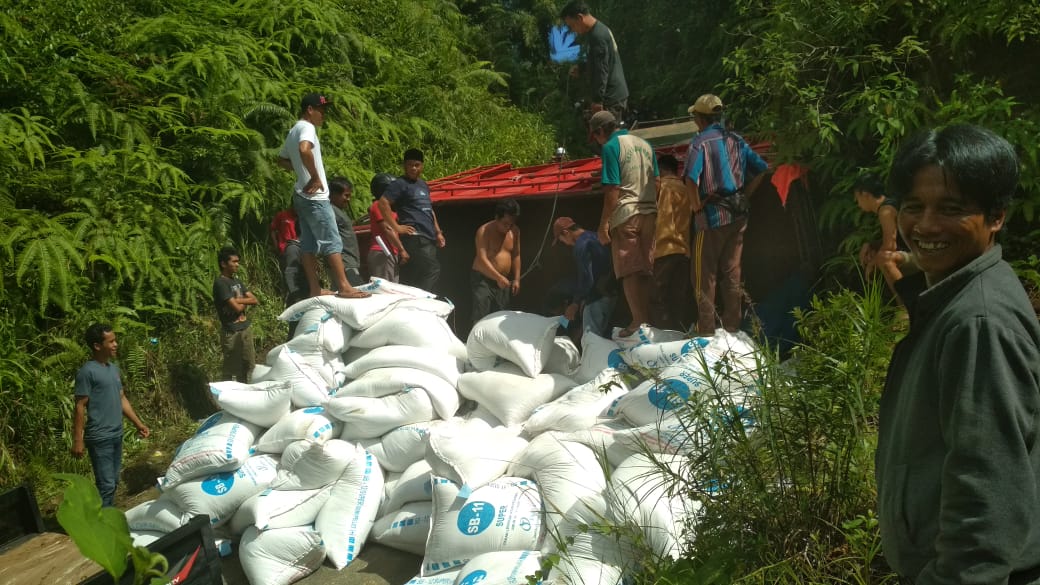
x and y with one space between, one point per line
143 431
571 312
78 448
514 287
313 186
403 257
405 230
502 282
441 242
595 107
603 234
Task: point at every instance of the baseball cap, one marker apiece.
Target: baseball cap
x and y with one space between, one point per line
314 100
601 119
708 104
561 225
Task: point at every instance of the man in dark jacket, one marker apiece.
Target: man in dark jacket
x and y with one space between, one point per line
601 67
958 456
594 287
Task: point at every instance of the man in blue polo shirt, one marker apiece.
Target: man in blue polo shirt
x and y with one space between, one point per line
415 223
629 217
722 172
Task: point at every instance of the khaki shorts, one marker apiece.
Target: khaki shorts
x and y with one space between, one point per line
632 245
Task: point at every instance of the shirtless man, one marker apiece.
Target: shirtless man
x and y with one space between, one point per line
496 266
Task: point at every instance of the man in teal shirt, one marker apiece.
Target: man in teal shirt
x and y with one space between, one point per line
629 217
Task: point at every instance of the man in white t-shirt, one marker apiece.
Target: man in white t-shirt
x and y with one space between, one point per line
301 153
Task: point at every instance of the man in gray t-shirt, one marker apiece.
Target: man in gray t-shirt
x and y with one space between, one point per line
101 404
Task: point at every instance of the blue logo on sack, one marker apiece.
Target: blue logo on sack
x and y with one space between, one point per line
669 394
475 517
220 484
614 360
314 410
474 578
209 423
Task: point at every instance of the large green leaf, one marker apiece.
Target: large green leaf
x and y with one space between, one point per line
101 534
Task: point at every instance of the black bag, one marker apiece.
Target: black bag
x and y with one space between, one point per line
738 203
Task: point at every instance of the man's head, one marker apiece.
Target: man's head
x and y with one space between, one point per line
668 165
954 186
312 108
507 212
602 125
566 231
413 164
707 110
577 17
868 191
340 190
102 341
227 259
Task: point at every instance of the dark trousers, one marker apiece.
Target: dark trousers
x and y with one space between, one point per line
670 306
487 297
715 262
239 354
106 457
422 270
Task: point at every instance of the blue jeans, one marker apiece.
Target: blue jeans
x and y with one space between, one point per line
595 316
106 457
317 224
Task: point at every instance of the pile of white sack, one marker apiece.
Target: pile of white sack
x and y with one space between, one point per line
351 433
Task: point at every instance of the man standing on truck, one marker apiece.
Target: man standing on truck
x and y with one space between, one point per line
601 64
496 266
415 223
101 404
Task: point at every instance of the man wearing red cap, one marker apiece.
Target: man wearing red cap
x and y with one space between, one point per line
593 292
301 152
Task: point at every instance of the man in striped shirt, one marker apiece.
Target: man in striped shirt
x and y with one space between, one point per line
721 174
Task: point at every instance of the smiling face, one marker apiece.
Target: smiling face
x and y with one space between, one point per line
945 230
108 347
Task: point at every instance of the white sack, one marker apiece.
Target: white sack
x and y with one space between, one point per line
317 465
618 440
380 286
356 313
579 408
280 556
413 328
645 334
310 385
647 498
261 403
524 339
346 519
445 578
405 529
311 424
401 447
280 509
219 495
597 354
655 399
564 358
366 418
434 361
653 356
145 537
161 515
222 443
500 568
391 380
511 395
506 514
471 456
592 559
413 486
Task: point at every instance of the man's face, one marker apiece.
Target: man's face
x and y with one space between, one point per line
576 24
568 237
413 169
231 266
945 230
505 223
316 115
600 137
342 199
108 347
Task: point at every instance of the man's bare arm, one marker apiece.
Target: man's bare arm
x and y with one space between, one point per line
307 158
611 194
388 217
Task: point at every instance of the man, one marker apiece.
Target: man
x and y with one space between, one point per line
340 190
601 69
958 452
719 165
671 248
286 241
385 253
869 194
629 214
231 298
301 152
416 223
101 404
593 293
496 267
